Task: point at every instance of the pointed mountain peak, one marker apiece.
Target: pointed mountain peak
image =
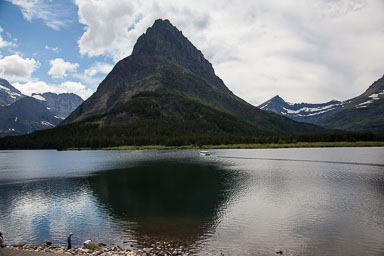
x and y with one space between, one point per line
162 34
277 98
273 103
165 40
163 24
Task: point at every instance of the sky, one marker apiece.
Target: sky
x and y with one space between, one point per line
304 51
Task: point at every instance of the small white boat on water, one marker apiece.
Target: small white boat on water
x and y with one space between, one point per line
205 153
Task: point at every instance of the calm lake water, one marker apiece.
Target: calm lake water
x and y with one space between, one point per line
327 201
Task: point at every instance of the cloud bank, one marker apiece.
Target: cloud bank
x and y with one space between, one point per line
30 87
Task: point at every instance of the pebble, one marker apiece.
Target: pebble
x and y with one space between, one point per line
149 249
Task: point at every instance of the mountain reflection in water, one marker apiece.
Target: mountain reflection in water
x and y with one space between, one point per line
167 201
175 200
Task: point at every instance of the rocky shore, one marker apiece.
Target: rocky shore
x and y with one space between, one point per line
158 248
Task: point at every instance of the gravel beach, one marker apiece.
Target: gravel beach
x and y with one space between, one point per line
11 252
160 249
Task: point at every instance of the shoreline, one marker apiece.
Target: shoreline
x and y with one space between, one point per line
158 248
245 146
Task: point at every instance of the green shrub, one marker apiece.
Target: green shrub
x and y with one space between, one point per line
91 246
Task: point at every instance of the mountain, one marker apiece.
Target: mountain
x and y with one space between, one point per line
8 93
363 113
24 116
360 114
59 104
165 92
302 112
164 60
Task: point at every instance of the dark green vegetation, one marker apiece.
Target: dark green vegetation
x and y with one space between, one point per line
166 93
93 247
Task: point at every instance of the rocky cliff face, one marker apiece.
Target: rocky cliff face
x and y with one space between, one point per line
59 104
8 93
163 39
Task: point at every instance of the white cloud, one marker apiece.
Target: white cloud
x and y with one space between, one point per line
3 43
52 13
16 68
77 88
66 87
59 67
302 50
54 49
106 22
98 68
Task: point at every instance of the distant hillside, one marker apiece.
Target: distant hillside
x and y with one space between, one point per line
61 104
24 116
362 114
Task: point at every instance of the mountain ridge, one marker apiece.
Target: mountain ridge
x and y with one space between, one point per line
360 114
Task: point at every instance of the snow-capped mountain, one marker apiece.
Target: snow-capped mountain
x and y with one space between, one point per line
60 104
364 113
20 114
24 116
302 112
8 93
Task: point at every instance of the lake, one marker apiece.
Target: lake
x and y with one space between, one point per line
313 201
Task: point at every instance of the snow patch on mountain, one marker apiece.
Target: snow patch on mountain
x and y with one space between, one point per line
4 88
47 123
374 97
39 97
312 111
13 95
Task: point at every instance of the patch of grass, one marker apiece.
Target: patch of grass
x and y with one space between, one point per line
257 146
